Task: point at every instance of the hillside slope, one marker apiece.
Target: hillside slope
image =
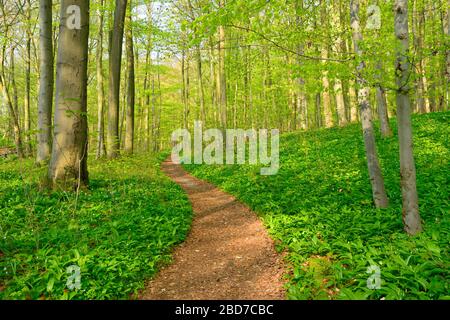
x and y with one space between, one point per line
319 208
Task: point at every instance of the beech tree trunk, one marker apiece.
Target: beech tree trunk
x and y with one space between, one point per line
326 99
222 76
446 27
381 100
68 164
113 145
13 115
411 217
26 102
100 87
376 178
45 100
129 134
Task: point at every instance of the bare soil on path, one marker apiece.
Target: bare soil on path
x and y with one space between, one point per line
227 254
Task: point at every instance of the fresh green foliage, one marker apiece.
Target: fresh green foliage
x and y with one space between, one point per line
319 208
119 232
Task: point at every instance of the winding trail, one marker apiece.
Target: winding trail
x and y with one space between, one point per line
227 254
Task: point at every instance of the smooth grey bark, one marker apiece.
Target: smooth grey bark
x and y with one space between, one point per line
100 87
411 217
376 178
129 133
45 100
68 164
113 139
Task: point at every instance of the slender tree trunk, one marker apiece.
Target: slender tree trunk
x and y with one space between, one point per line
376 177
326 95
14 119
301 102
418 45
446 27
201 90
184 90
385 128
250 91
411 217
68 165
222 76
381 100
157 144
100 87
113 146
26 103
13 84
212 77
353 102
338 88
326 98
129 135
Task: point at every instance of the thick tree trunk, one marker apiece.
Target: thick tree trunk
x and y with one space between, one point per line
68 165
113 146
376 178
411 217
44 136
129 135
100 87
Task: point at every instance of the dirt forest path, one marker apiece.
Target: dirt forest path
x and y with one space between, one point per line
227 254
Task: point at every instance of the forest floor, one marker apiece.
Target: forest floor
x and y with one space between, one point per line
227 254
319 211
119 232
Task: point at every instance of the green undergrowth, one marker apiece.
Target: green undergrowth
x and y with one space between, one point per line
319 209
119 232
